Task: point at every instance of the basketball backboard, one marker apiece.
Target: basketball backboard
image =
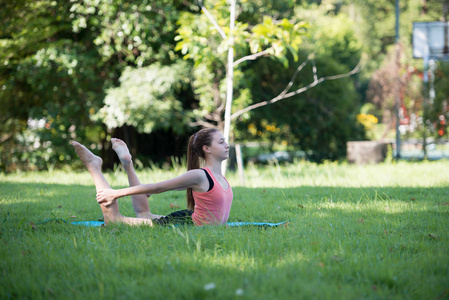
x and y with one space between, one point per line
430 39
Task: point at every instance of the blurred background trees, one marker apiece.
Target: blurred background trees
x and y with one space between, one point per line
152 72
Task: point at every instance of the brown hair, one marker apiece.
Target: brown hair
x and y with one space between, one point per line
194 152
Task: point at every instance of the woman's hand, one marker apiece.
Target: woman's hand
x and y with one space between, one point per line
106 197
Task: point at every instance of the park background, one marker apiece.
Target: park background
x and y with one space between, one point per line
152 73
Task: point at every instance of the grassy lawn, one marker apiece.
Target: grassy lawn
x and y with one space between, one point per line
373 232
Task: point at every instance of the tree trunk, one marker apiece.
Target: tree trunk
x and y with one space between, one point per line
229 79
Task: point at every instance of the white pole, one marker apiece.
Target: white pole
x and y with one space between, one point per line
229 78
238 155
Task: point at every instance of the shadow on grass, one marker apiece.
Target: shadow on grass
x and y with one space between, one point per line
249 204
343 243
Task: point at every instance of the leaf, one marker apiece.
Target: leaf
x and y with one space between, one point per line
300 25
434 236
293 52
261 30
337 258
254 46
33 226
285 23
284 61
443 294
267 20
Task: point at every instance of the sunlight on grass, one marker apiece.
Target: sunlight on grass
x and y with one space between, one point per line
334 174
353 232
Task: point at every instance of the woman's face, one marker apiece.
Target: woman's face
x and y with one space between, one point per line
218 148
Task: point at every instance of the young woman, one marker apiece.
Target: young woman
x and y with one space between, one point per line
209 195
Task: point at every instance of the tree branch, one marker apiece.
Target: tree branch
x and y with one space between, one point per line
251 57
202 123
212 117
6 137
285 95
211 18
315 75
352 72
289 85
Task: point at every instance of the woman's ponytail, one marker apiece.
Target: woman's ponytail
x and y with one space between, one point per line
193 162
194 153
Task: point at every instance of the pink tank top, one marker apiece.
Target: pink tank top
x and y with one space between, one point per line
212 207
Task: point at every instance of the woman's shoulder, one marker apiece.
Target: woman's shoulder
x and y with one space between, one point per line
196 173
199 178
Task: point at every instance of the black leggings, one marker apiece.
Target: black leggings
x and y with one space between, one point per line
180 217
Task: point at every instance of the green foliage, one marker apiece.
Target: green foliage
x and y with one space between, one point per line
148 98
136 33
334 37
61 64
58 60
199 41
284 37
321 120
375 24
378 34
42 78
320 124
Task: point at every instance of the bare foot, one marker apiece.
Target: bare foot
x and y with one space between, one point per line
122 151
148 215
88 158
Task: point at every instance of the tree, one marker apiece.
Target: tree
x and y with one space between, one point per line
382 88
148 98
439 111
320 120
198 40
269 37
38 82
60 58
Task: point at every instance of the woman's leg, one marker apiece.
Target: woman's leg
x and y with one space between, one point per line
93 164
140 202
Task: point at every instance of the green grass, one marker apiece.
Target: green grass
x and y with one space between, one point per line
372 232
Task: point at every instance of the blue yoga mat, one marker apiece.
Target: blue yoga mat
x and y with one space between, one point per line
232 224
101 223
89 223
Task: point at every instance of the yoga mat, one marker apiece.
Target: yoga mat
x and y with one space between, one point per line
263 224
231 224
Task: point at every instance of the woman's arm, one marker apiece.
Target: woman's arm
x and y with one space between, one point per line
191 179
